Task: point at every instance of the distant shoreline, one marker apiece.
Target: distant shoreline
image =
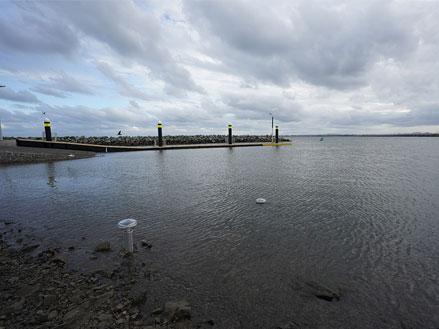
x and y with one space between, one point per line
367 135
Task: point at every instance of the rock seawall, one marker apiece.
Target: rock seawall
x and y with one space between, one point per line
170 140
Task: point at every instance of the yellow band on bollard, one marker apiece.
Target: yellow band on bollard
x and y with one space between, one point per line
46 124
159 126
277 128
230 126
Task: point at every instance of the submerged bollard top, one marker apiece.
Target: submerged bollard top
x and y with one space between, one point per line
127 223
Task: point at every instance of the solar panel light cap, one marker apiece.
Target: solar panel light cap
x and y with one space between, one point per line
127 223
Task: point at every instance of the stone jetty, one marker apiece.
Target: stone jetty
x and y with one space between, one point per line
169 140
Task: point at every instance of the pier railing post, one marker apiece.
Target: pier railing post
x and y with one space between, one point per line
159 127
230 135
47 130
277 134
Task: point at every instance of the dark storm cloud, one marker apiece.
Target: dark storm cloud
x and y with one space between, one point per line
329 45
22 96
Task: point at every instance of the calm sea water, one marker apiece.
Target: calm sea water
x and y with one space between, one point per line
359 215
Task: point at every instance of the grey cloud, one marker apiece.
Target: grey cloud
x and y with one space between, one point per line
129 32
424 115
21 96
33 32
63 82
126 88
67 83
48 91
134 104
254 107
329 44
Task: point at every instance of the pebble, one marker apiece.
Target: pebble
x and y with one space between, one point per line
103 246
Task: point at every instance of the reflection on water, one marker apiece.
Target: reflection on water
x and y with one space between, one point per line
354 217
51 175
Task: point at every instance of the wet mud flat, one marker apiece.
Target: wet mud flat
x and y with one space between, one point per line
38 291
17 155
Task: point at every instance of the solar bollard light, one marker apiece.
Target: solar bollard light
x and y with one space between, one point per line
127 225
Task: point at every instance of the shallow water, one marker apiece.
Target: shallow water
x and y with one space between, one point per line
359 215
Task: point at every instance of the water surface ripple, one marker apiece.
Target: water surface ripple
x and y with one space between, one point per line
359 215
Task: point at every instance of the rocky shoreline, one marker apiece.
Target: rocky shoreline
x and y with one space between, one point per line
169 140
37 291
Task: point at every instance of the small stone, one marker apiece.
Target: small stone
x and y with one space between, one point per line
177 311
30 247
49 300
19 240
41 316
144 244
13 280
157 311
103 246
76 299
52 315
210 322
59 260
105 317
71 248
93 257
49 253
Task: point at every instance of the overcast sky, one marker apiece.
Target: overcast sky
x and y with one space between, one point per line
97 67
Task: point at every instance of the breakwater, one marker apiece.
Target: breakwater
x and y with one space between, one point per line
169 140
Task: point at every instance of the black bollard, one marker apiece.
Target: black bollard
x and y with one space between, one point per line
230 134
47 130
159 126
277 134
